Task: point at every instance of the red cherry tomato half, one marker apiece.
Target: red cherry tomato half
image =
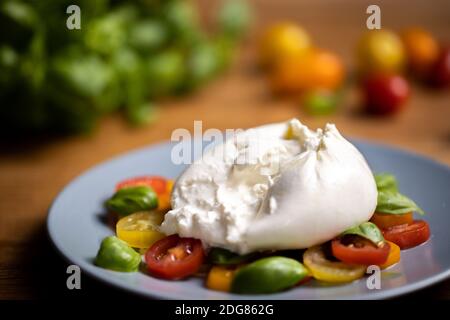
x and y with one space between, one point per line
174 257
359 251
440 71
158 184
408 235
385 94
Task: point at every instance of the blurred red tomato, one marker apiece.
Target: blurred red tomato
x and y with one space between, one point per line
440 72
385 93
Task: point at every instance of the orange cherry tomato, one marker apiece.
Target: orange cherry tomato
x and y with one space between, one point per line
408 235
393 257
422 49
384 220
319 69
220 278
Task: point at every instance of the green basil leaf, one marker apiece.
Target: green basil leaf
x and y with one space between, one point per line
386 182
117 255
367 230
396 203
267 275
224 257
133 199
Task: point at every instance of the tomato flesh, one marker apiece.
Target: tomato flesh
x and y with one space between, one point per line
408 235
174 257
359 251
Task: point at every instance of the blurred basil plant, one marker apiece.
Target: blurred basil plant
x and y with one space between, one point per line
126 55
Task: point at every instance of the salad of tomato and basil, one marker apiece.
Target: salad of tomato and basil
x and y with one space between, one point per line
138 206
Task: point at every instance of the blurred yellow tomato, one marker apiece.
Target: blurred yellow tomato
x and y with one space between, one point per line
421 48
283 40
317 69
380 51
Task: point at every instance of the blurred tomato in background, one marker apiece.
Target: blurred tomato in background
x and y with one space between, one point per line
385 93
440 70
284 40
380 51
318 68
422 49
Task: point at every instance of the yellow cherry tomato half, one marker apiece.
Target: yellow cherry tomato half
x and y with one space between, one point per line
282 40
219 278
140 229
330 271
380 51
318 69
393 257
421 48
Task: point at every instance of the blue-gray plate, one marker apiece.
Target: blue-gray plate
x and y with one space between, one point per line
76 227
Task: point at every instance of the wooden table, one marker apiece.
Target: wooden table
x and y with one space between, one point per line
32 173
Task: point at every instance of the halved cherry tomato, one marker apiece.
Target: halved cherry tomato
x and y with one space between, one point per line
393 257
385 220
356 250
330 271
157 183
174 257
139 229
408 235
161 185
219 278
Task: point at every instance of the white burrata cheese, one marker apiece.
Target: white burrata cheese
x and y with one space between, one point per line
279 186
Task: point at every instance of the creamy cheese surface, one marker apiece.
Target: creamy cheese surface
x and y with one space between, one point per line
279 186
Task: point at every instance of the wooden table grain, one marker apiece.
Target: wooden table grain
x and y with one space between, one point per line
32 172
